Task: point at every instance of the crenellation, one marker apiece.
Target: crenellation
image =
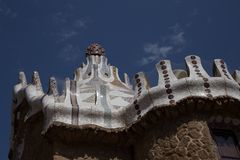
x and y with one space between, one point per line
220 69
195 68
77 74
52 88
236 76
66 92
22 78
36 81
98 103
169 90
165 72
127 80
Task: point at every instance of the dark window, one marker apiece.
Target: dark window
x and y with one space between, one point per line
227 144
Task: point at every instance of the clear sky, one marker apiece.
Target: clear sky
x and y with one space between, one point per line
50 36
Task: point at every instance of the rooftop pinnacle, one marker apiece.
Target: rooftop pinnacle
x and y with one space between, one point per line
95 49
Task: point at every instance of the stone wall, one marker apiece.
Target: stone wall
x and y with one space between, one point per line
179 139
186 137
186 140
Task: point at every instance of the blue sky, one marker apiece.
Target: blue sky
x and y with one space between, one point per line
50 36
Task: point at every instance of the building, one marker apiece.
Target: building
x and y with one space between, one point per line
189 115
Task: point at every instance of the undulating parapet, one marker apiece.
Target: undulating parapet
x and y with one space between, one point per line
97 95
100 112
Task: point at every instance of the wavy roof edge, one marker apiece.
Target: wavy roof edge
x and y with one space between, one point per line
172 87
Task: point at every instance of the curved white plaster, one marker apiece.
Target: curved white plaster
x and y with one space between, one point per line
98 97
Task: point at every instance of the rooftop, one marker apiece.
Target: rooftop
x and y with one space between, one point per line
98 97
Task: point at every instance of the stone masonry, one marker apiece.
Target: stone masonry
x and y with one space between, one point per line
189 141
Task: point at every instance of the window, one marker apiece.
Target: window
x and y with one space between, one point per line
227 144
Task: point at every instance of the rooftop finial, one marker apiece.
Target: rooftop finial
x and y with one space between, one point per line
95 49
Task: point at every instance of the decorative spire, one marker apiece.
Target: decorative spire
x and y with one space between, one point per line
95 49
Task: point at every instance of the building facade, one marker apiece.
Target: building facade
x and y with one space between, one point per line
189 115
